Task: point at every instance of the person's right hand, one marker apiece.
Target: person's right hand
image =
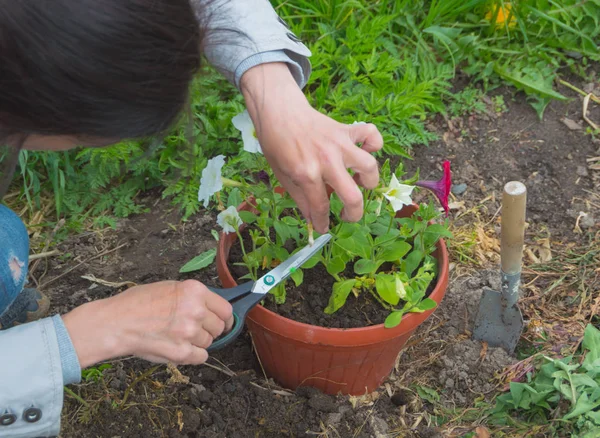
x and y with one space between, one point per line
169 321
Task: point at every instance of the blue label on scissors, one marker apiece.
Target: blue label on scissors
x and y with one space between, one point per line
269 280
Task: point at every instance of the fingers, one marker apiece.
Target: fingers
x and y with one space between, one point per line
349 193
318 204
368 135
296 193
306 186
183 353
186 354
212 324
229 324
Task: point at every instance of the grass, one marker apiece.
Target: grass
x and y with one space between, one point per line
389 62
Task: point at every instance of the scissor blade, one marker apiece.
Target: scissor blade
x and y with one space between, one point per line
285 269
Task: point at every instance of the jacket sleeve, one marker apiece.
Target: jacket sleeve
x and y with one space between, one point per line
243 33
32 378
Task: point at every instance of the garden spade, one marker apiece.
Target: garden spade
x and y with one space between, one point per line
499 321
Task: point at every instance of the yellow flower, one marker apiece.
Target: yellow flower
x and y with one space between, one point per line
504 15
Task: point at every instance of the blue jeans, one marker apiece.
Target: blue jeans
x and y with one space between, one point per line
14 256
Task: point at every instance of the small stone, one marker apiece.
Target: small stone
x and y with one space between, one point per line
401 398
197 389
334 419
587 221
569 156
459 189
229 388
449 383
205 396
321 402
582 171
571 124
344 408
379 426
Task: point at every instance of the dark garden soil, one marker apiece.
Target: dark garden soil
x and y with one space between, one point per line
306 302
230 397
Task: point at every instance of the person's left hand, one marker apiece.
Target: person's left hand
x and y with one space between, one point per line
308 150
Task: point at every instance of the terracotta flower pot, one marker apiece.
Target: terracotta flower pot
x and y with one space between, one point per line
351 361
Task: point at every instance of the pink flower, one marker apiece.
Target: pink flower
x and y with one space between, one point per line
441 188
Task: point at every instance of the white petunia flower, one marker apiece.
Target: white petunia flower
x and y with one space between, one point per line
400 290
229 220
398 194
244 124
211 182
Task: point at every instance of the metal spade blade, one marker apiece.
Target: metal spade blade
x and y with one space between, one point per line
499 321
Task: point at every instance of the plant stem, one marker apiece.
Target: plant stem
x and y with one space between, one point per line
237 231
583 93
76 397
391 223
383 303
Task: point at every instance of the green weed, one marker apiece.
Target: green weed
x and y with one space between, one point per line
389 62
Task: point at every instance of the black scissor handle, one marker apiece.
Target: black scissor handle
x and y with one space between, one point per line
241 307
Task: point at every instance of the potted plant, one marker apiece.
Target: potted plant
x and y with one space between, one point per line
392 266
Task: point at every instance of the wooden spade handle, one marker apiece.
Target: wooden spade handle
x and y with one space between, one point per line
514 200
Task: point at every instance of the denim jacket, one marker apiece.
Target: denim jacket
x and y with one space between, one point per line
37 359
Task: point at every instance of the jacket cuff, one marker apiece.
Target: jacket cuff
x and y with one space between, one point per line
31 394
236 30
267 57
71 370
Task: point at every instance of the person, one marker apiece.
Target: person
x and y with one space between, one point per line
88 73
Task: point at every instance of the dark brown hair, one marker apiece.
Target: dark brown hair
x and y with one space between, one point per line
111 69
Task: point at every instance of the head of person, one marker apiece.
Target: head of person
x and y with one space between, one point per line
91 73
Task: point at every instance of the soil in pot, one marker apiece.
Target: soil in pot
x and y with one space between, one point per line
306 303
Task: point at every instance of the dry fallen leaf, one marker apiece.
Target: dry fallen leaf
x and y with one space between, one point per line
571 124
180 420
176 376
457 205
102 282
482 432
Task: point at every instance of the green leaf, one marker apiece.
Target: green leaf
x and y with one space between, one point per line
595 417
427 304
387 238
530 80
248 217
335 266
428 394
393 319
297 276
288 220
433 233
341 290
591 343
394 252
346 230
312 262
201 261
282 230
582 406
279 293
235 198
412 261
365 266
385 284
358 244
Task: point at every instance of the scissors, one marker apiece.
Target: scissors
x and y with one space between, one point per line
247 295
